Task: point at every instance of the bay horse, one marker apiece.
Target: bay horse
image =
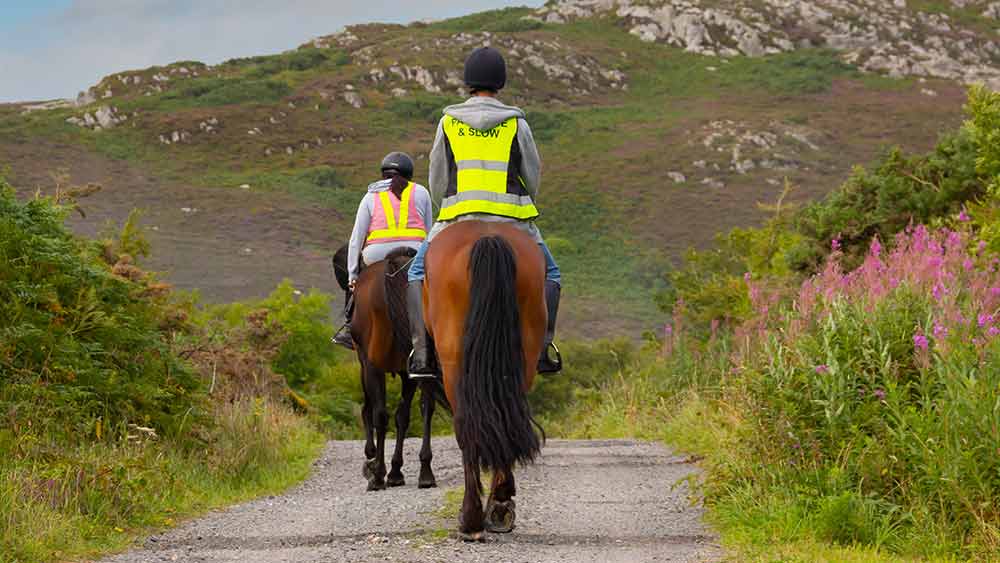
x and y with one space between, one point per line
484 304
381 333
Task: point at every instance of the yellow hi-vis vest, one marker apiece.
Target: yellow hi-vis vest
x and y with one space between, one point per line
485 182
385 227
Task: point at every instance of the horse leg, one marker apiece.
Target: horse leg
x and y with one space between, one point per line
470 520
500 514
427 479
375 388
402 428
369 424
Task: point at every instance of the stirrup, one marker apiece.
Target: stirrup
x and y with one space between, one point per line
428 373
546 365
343 339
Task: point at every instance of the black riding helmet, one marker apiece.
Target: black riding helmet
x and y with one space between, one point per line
485 69
400 162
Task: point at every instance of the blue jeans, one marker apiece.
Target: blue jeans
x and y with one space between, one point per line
417 271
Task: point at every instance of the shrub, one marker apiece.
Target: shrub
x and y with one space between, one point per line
210 92
424 107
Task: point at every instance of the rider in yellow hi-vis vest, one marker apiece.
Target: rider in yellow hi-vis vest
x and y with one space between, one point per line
484 166
395 212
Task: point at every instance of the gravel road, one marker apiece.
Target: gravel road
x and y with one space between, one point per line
585 501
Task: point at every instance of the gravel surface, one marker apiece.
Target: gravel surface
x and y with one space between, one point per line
599 501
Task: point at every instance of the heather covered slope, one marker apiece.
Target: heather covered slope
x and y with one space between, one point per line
250 170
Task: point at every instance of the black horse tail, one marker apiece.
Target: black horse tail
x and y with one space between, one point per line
340 267
495 428
397 264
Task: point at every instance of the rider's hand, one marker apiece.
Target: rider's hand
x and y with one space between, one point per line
351 284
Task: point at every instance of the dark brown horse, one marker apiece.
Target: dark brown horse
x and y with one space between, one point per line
382 337
485 308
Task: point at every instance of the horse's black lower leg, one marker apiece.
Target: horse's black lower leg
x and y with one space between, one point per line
499 514
375 393
396 478
470 520
427 479
369 424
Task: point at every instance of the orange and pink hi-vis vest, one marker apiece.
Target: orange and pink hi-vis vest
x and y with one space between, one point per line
396 220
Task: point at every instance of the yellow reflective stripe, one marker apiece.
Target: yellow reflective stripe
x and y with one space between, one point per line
513 210
399 233
390 217
404 208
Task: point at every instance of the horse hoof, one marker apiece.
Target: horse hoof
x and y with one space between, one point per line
500 516
374 486
366 469
472 536
395 481
427 483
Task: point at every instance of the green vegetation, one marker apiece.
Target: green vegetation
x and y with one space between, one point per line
120 413
506 20
847 411
209 92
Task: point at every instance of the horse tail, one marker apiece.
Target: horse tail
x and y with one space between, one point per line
340 267
495 428
397 264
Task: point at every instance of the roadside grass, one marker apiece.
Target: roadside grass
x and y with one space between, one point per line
63 501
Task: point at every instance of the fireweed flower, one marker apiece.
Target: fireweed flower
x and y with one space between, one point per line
963 216
835 245
940 331
920 342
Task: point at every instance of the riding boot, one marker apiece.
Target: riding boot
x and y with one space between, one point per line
343 336
422 362
547 363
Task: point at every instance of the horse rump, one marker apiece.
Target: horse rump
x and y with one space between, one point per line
495 429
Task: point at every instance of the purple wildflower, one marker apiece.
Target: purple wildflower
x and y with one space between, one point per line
822 369
963 216
920 341
940 331
835 245
879 394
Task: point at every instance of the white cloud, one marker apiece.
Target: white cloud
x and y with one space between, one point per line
66 52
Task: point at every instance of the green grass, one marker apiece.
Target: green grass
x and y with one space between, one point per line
60 501
506 20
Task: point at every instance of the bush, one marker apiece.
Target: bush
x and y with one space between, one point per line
424 107
117 412
80 340
210 92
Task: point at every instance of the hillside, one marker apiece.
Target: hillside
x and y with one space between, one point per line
660 124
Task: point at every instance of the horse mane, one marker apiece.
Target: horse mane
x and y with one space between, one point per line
397 264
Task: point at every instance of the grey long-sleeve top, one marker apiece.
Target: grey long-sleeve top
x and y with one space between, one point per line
421 201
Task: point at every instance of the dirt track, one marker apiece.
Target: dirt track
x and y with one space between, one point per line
600 501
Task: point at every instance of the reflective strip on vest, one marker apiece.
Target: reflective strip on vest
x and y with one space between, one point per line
482 159
397 230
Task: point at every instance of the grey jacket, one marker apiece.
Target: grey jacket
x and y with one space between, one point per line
485 113
421 201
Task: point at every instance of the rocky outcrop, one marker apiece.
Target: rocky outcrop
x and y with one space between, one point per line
528 58
105 117
876 35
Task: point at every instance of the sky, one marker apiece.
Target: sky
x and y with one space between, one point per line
55 48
